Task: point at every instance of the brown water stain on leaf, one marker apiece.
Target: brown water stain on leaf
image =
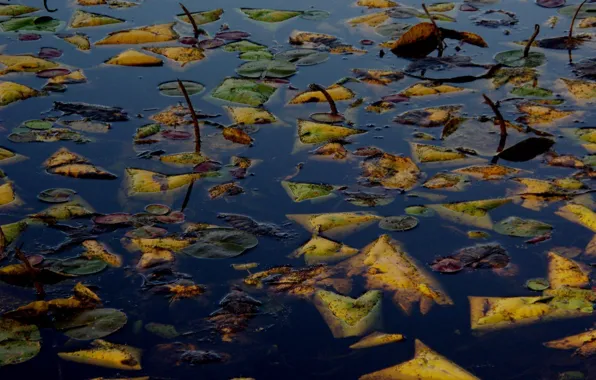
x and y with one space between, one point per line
237 135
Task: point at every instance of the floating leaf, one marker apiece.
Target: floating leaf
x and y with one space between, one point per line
161 330
320 250
83 19
145 181
11 92
304 191
30 23
398 223
56 195
244 91
377 339
19 342
134 58
303 57
267 69
515 58
202 18
92 324
81 41
564 272
15 9
336 91
583 343
182 55
173 88
392 172
474 213
580 214
537 284
580 89
106 354
334 224
586 10
429 117
315 133
432 153
76 266
269 15
514 226
426 364
425 89
347 316
141 35
97 250
220 243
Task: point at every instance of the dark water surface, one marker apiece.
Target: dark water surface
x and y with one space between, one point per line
289 339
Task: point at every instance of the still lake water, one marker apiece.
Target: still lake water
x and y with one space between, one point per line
295 342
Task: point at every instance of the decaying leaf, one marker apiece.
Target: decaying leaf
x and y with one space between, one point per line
145 181
141 35
580 214
426 364
391 171
106 354
310 132
334 224
69 164
431 153
473 213
583 343
182 55
320 250
377 339
564 272
425 89
336 91
11 92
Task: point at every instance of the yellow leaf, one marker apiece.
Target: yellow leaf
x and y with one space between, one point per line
173 116
11 92
310 39
566 272
142 35
134 58
578 214
334 224
169 243
584 343
186 158
446 181
473 213
69 164
155 256
95 249
76 76
320 250
81 41
377 3
180 54
347 316
541 115
380 77
425 89
336 91
24 63
74 209
106 354
82 19
310 132
432 153
236 135
85 294
145 181
7 194
392 172
377 339
250 115
372 20
385 265
580 89
426 365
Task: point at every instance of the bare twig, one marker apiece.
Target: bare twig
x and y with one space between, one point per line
531 40
187 196
502 125
191 20
440 43
33 272
316 87
570 37
195 121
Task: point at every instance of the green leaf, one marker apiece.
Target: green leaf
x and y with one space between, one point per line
537 284
303 57
243 46
221 243
398 223
38 124
30 23
202 18
531 91
92 324
514 226
244 91
267 68
515 58
161 330
256 55
303 191
269 15
173 89
588 10
19 342
315 15
76 266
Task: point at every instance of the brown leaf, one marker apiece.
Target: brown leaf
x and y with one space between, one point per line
237 135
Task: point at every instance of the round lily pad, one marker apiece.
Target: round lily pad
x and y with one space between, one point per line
537 284
303 57
221 243
514 226
92 324
56 195
267 68
157 209
76 266
420 211
173 89
315 15
398 223
515 58
550 3
38 124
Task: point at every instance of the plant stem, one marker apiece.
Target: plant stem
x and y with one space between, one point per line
195 121
33 272
316 87
191 20
45 5
440 43
502 125
570 37
531 40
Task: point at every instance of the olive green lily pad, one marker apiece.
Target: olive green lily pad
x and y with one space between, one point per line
537 284
244 91
531 91
514 226
269 15
315 15
256 55
267 69
173 88
398 223
76 266
30 23
38 124
303 191
15 9
221 243
515 58
420 211
19 342
92 324
243 46
303 57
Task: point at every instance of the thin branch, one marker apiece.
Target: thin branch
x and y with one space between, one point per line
502 124
316 87
440 43
33 272
191 20
531 40
187 196
570 37
195 121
